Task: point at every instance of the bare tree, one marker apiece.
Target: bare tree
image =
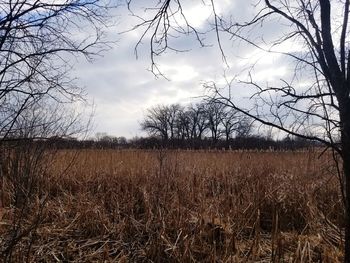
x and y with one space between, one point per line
173 113
244 127
229 121
183 123
214 114
319 111
156 122
38 40
164 121
198 120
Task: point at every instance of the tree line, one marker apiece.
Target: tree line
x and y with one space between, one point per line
251 142
203 125
203 120
206 124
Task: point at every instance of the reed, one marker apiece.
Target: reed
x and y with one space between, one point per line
189 206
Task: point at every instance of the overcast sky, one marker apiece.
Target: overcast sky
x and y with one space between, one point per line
122 87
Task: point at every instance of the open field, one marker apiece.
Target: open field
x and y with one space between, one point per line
186 206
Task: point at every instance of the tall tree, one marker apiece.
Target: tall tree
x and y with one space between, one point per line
198 120
156 122
37 42
183 122
214 113
173 112
229 121
317 111
39 39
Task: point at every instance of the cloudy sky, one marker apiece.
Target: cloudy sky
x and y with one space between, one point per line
122 87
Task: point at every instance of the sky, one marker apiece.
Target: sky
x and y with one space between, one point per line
122 88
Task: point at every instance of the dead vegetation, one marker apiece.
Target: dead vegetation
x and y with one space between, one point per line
183 206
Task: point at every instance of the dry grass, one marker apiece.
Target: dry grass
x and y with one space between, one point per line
189 206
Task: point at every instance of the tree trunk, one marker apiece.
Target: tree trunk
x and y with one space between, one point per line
346 167
345 141
347 210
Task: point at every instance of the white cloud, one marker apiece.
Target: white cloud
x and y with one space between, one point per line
123 89
179 73
197 15
270 74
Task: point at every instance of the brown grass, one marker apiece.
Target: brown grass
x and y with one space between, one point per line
189 206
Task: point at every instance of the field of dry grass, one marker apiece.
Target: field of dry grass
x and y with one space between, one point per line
187 206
